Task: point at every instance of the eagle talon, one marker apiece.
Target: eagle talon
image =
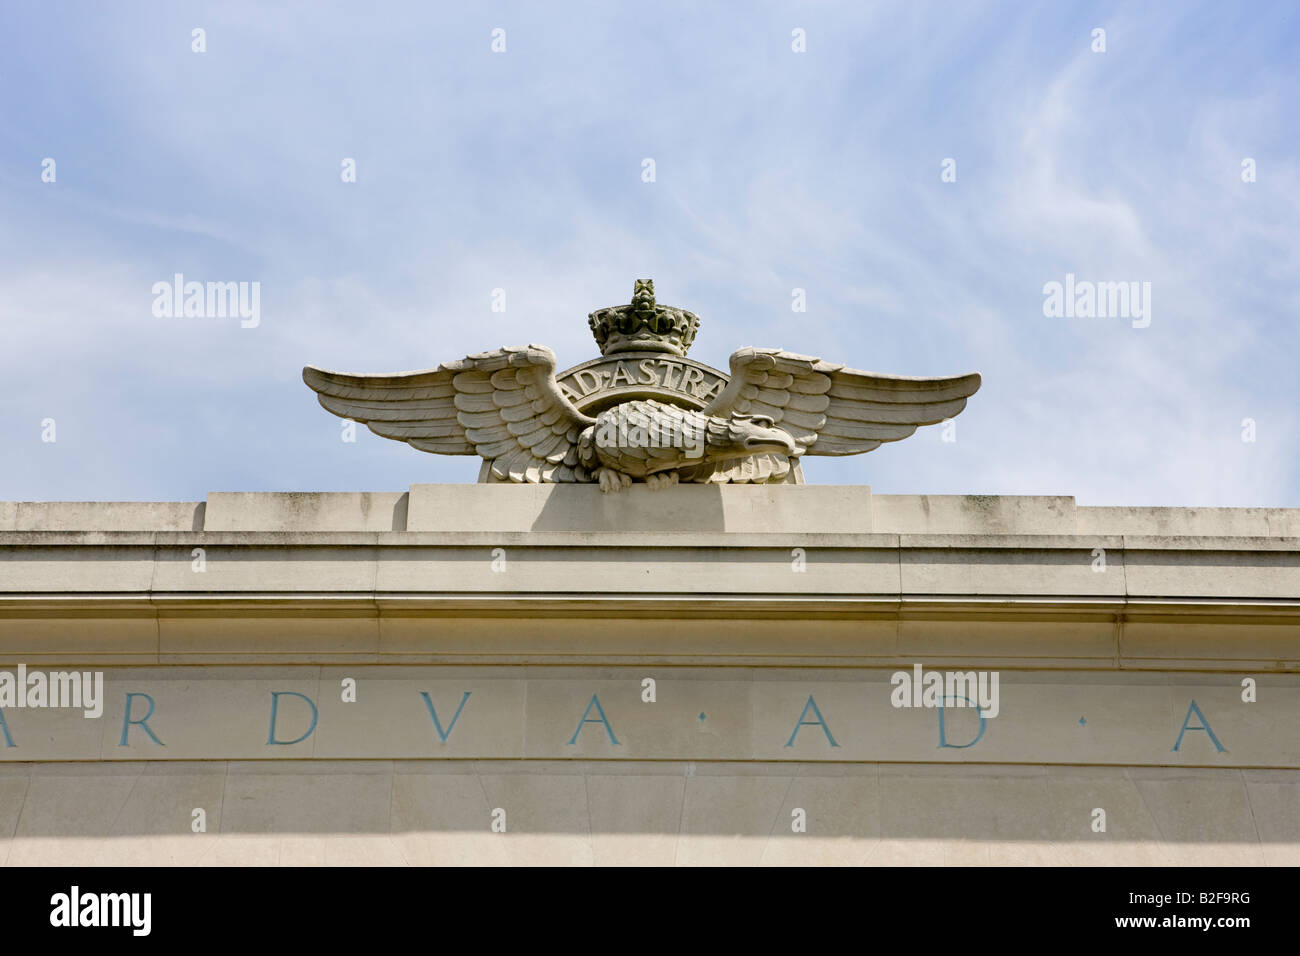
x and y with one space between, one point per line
662 480
611 480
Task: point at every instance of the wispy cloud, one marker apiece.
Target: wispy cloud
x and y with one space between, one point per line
775 170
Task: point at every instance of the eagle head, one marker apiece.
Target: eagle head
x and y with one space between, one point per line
743 435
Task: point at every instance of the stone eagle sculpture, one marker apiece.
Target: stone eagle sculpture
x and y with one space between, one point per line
642 412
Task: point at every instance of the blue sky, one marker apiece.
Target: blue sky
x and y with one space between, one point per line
774 170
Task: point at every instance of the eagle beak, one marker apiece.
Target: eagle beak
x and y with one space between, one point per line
779 442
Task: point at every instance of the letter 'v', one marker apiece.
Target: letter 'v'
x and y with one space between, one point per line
443 735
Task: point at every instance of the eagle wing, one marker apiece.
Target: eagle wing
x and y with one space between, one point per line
832 410
504 406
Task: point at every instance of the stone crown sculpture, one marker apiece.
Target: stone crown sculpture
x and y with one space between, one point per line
643 325
643 411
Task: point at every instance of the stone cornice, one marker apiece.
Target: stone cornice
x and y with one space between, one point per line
733 576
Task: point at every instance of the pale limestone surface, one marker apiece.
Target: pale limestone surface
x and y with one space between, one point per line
250 511
802 509
662 813
1104 624
709 508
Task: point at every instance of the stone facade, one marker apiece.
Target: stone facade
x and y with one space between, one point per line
499 640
